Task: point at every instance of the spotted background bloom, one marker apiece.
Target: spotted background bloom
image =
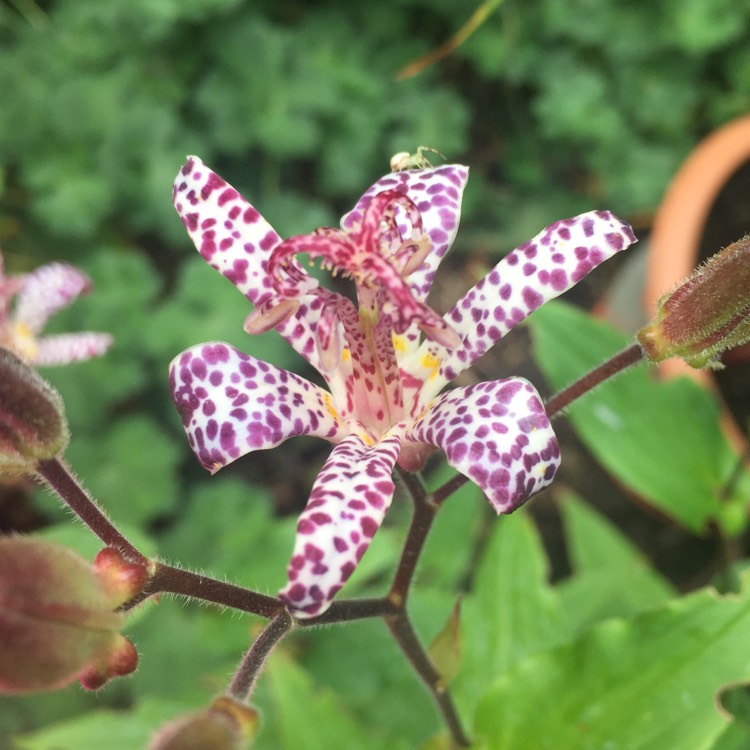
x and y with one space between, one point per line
29 300
385 359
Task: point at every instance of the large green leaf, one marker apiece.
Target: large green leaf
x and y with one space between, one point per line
512 611
306 716
646 683
661 439
104 728
611 576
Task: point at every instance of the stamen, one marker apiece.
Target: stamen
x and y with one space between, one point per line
263 319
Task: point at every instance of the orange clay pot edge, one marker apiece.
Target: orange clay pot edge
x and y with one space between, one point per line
678 227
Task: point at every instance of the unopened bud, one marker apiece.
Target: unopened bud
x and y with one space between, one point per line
56 620
226 725
32 417
121 580
707 314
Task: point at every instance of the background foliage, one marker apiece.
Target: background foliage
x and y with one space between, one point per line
557 107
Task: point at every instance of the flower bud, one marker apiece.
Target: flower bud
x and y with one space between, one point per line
707 314
121 580
226 725
57 622
32 417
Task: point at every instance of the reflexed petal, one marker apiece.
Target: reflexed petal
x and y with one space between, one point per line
70 347
237 241
346 507
537 271
498 435
232 404
45 291
437 194
230 234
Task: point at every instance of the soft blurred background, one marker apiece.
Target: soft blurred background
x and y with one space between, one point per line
558 107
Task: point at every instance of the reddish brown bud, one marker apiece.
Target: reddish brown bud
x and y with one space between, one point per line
122 580
226 725
707 314
32 417
56 620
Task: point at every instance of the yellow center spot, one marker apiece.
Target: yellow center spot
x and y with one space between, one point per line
346 355
430 363
399 343
24 342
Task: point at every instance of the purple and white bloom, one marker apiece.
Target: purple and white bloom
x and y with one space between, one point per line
385 359
28 301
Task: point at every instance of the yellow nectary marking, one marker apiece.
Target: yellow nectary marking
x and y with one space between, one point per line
431 363
399 343
24 341
329 405
346 355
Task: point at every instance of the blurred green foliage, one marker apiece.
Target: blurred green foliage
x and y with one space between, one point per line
557 107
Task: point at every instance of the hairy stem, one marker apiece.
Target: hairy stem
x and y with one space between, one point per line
170 580
243 682
408 641
421 523
626 358
58 476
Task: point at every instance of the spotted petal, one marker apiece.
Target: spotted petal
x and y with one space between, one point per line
45 291
498 435
232 404
237 241
537 271
346 507
437 195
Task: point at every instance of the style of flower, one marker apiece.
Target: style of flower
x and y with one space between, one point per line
385 361
28 301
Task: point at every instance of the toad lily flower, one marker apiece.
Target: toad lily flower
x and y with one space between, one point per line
384 360
29 300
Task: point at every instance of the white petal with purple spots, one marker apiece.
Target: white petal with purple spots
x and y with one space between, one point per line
346 507
498 435
537 271
65 348
232 403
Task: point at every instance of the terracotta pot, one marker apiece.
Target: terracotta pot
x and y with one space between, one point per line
679 225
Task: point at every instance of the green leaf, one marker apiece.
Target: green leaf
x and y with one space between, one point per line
661 439
306 716
646 683
104 728
512 610
611 576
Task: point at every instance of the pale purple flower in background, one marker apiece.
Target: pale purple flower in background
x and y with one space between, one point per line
385 359
28 301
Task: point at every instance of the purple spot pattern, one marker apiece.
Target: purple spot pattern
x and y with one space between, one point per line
497 434
382 406
231 403
532 274
348 502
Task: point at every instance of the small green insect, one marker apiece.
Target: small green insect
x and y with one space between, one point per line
404 160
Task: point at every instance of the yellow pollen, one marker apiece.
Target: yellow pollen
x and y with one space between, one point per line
432 363
346 355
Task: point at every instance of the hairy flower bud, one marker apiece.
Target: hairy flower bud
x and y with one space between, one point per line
32 418
57 622
707 314
226 725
